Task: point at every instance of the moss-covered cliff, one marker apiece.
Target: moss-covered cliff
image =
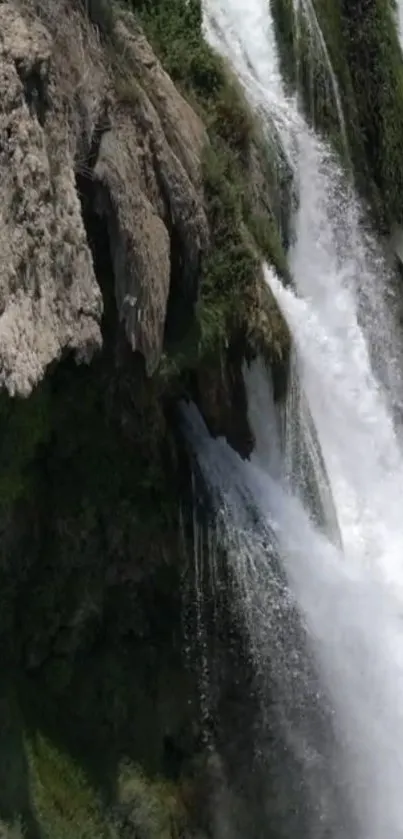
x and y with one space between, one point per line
155 190
345 59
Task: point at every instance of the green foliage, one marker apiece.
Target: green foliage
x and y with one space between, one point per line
174 27
363 48
150 809
88 457
13 831
105 490
304 62
24 425
374 57
231 118
64 804
266 235
231 273
232 268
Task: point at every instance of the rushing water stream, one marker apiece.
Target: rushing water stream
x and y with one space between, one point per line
348 591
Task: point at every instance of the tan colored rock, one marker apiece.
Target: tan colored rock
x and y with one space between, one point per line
49 298
63 112
146 194
139 242
150 172
184 130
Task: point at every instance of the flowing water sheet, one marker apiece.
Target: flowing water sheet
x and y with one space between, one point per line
349 362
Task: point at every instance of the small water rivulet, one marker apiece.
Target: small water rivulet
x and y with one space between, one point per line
399 10
349 362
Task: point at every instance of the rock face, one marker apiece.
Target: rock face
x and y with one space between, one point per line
136 144
108 224
149 188
148 172
49 298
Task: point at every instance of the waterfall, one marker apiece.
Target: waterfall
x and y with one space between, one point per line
349 751
399 11
324 614
306 8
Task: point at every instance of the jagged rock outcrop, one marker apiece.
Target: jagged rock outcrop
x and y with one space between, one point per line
149 174
122 207
49 298
137 146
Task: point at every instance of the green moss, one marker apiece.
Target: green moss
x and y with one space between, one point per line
93 558
374 57
305 62
363 49
267 236
231 288
231 273
232 268
64 804
24 425
46 793
13 831
151 809
174 28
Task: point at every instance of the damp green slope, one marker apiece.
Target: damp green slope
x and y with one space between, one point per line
246 182
363 48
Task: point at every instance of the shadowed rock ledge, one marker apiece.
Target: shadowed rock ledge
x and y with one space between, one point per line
139 197
49 296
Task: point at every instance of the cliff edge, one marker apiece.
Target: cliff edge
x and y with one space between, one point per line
64 126
139 199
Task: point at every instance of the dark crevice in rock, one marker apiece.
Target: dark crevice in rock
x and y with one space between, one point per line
103 124
184 277
181 298
280 371
36 93
96 227
219 393
98 240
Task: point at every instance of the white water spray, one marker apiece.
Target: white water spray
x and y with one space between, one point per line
349 364
399 21
306 8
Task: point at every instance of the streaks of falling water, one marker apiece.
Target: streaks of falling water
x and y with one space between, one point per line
307 8
330 220
305 792
339 274
351 785
350 367
399 16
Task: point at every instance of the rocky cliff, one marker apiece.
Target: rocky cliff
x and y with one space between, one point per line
138 199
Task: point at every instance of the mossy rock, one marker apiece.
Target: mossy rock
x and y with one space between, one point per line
241 164
63 802
358 43
12 831
90 495
148 809
49 791
66 806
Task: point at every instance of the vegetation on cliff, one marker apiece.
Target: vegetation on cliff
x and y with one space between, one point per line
93 549
358 42
245 224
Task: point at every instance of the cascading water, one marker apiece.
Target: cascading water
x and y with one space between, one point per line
399 10
337 669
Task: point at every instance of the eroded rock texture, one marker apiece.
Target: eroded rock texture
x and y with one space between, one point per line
72 122
49 298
